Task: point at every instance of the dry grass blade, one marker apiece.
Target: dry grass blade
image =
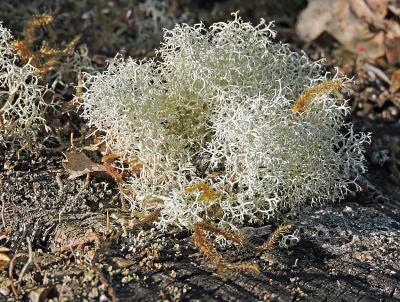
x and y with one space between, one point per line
11 274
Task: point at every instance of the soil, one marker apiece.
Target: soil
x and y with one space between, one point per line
69 241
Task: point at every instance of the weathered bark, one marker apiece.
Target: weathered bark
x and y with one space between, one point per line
346 252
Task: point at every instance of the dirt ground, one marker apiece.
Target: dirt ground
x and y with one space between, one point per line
67 238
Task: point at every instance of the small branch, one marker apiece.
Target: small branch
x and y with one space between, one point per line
11 274
30 259
3 197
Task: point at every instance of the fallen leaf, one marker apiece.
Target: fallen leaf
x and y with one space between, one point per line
392 51
314 20
395 81
4 258
78 164
380 7
113 172
359 25
136 167
364 12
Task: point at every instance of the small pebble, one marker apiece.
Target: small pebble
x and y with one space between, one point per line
5 291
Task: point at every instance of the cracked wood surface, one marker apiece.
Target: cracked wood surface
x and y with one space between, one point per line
347 252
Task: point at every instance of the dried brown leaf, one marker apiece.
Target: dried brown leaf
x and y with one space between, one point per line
314 19
395 81
359 25
379 7
364 12
110 157
78 164
392 51
394 9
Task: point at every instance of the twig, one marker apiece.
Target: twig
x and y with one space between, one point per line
108 222
17 245
3 197
30 259
60 184
11 275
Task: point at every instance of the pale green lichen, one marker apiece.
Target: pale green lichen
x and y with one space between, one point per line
21 96
216 110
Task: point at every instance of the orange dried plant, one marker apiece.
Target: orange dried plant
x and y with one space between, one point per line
207 194
46 58
310 93
212 254
274 237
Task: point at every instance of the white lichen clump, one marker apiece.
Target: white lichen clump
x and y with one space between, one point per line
21 96
211 129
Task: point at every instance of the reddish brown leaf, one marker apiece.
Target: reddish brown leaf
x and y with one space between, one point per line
78 164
